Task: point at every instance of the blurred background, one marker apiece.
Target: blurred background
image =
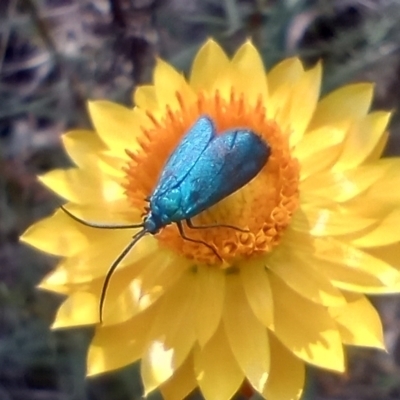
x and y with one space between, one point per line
56 54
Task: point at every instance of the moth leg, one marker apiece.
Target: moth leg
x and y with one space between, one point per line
191 226
99 225
182 233
146 211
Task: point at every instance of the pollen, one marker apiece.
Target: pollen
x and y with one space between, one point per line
261 210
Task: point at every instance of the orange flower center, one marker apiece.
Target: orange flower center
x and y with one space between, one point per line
263 207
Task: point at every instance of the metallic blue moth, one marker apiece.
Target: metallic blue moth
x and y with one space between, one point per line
204 168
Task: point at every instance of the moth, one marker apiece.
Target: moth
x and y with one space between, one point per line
204 168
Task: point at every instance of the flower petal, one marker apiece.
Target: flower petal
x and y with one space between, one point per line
320 139
181 384
117 126
159 363
82 145
362 140
286 380
377 151
383 234
342 186
248 74
322 222
310 334
131 291
348 272
303 279
258 291
358 322
80 309
114 347
172 333
145 97
285 73
248 339
303 101
210 62
349 102
95 260
57 235
211 294
82 186
154 276
381 192
319 149
217 372
168 82
338 252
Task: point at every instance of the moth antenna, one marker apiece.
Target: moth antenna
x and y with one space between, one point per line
99 225
114 266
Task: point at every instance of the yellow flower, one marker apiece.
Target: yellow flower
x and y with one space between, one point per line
322 219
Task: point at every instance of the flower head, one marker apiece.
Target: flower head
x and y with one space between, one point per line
285 290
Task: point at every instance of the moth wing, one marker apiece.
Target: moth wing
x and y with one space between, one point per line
186 155
230 161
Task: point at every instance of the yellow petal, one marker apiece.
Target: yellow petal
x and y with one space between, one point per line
121 301
342 186
117 126
379 148
211 294
381 191
303 279
258 291
181 384
119 345
389 253
303 101
362 140
281 80
246 335
159 363
319 149
160 271
123 298
168 82
176 316
217 372
338 252
383 234
80 309
82 186
348 277
249 74
81 145
320 222
358 322
320 139
210 62
286 379
95 260
172 333
56 235
285 73
145 98
349 102
352 280
310 334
